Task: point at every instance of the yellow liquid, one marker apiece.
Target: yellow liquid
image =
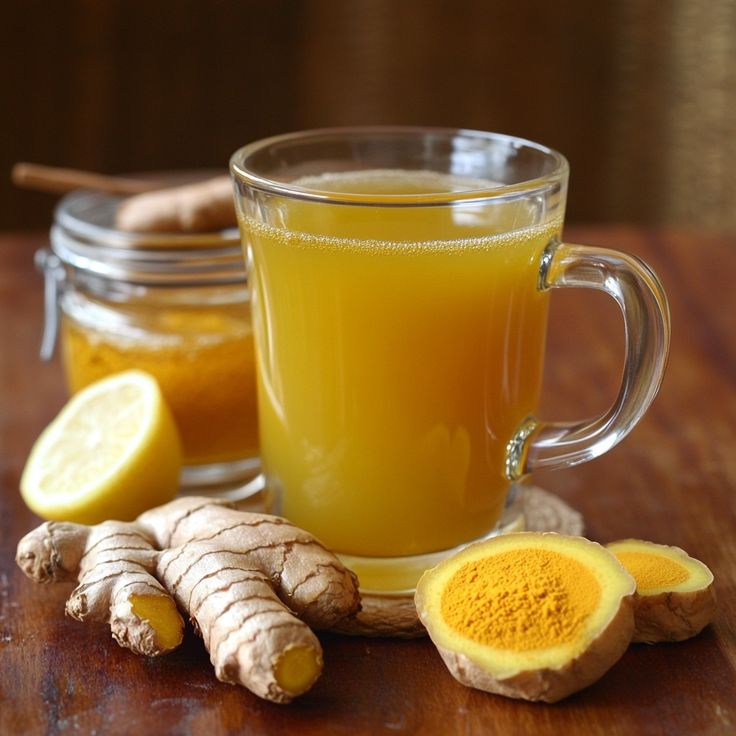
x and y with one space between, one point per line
399 349
203 362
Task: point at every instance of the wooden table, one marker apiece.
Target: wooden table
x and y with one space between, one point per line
672 481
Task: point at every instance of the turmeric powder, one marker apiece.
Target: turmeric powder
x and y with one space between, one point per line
529 615
652 571
522 599
675 596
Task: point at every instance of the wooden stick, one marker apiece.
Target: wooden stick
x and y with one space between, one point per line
60 180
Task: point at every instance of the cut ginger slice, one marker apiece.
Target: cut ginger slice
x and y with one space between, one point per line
675 595
162 616
529 615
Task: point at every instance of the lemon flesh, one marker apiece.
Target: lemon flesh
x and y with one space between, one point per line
111 453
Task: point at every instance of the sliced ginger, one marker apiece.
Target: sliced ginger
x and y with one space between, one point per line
675 595
253 585
530 615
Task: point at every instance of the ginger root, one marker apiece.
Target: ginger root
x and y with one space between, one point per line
252 585
675 596
204 206
529 615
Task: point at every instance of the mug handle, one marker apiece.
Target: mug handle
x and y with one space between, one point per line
541 445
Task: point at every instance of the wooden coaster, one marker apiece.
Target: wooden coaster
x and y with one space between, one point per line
396 616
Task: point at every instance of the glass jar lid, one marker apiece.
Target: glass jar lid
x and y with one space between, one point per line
84 237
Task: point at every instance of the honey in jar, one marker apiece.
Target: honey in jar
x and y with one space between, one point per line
174 305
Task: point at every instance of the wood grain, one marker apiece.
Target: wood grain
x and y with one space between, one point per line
673 481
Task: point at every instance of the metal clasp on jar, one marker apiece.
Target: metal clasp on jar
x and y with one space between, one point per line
54 275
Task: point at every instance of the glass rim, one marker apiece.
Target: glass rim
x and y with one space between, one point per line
88 216
84 238
518 190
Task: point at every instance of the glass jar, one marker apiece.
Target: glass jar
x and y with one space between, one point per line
174 305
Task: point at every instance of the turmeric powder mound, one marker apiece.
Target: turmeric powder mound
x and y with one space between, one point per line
652 571
675 595
529 615
521 600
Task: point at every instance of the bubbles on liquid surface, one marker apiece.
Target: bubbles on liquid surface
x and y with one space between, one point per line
506 223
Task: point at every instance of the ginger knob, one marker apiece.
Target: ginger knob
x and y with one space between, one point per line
203 206
254 587
530 615
675 596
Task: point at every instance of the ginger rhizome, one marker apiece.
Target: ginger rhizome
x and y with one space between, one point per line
675 595
154 207
204 206
254 586
530 615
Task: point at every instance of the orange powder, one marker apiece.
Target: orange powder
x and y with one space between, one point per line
521 600
652 571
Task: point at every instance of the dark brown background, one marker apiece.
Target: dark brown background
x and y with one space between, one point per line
639 94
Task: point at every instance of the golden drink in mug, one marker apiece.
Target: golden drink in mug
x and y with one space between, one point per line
400 315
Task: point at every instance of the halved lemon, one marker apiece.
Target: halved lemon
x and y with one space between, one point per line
111 453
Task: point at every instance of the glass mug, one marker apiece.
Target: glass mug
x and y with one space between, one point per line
400 282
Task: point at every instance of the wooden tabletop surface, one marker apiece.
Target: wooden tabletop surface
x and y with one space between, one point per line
673 480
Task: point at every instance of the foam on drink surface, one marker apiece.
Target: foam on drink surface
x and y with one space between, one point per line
408 195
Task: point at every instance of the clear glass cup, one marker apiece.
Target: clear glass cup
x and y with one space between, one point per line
400 283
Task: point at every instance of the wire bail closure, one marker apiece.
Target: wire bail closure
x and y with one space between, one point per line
54 276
